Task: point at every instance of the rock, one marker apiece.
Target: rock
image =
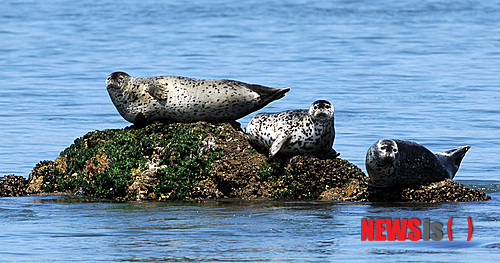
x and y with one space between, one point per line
12 185
42 178
443 191
193 161
309 177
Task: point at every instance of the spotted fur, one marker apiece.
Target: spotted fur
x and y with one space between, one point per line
295 131
181 99
394 163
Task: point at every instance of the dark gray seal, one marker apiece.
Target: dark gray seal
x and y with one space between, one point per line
181 99
295 131
394 163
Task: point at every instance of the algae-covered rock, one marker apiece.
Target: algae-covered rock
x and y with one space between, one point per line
129 164
164 161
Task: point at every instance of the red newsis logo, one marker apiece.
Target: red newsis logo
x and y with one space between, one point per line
400 229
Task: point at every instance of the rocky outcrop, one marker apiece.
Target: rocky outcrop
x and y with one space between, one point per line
186 161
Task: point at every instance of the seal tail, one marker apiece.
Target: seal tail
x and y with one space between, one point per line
267 94
453 158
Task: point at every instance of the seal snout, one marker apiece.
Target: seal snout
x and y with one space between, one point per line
322 114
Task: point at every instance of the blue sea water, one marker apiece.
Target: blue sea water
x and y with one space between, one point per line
427 71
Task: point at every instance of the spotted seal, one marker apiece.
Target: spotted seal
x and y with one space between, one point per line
181 99
295 131
402 163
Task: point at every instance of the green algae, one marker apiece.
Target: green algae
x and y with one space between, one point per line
101 163
184 166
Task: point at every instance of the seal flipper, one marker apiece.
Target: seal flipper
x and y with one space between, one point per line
158 90
451 159
266 94
278 143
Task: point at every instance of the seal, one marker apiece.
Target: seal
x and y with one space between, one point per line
181 99
295 132
398 163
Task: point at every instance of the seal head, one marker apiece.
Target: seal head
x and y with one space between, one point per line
321 110
116 80
381 161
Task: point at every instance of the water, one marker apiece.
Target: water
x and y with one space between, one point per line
426 71
50 229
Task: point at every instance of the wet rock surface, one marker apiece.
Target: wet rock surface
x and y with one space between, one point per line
193 161
12 185
443 191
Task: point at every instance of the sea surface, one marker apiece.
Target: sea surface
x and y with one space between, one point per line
426 71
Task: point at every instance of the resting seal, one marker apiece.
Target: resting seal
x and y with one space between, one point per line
403 163
181 99
295 131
